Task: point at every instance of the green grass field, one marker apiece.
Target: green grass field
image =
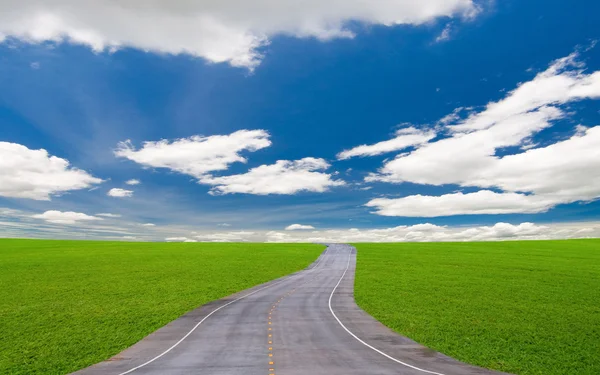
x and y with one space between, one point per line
65 305
528 307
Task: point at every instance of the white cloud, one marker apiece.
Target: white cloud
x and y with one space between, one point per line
445 34
10 212
133 181
34 174
505 230
283 177
219 31
17 223
433 233
108 215
237 236
480 202
119 193
196 156
35 65
563 172
179 239
200 156
148 225
299 227
405 138
69 217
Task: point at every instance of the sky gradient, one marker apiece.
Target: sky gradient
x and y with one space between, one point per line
357 121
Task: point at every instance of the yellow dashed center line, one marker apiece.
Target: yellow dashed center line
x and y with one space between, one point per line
270 341
270 329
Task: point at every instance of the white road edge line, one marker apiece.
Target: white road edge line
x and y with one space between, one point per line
361 341
212 312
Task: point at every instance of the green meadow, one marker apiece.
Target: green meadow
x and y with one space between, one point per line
65 305
527 307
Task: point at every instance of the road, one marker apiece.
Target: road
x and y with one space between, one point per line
303 324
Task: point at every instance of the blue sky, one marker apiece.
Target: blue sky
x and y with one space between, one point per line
273 99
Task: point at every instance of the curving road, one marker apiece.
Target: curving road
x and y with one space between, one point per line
303 324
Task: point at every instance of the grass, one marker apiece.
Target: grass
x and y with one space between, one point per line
65 305
528 307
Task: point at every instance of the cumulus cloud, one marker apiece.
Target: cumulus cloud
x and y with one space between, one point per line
428 232
219 31
283 177
201 156
533 180
299 227
404 138
69 217
119 193
34 174
133 181
108 215
196 156
480 202
18 223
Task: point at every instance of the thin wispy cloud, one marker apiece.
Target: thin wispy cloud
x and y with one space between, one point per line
299 227
404 138
119 193
108 215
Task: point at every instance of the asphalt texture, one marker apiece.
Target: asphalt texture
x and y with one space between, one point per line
306 323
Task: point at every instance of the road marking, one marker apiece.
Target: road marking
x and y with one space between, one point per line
361 341
217 309
272 370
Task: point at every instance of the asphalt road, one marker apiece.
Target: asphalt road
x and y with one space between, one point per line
303 324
